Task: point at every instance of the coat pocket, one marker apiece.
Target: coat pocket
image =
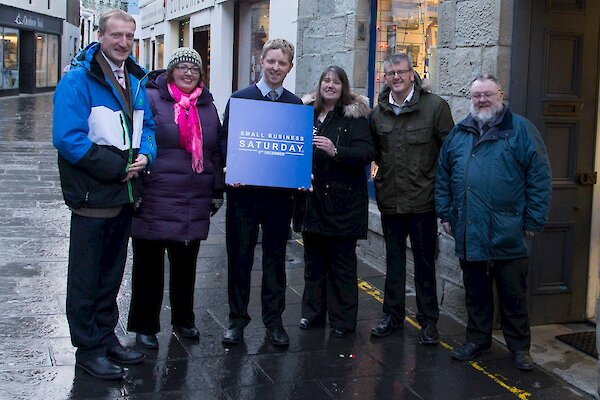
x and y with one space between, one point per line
337 198
418 133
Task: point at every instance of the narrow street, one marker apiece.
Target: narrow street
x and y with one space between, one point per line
37 359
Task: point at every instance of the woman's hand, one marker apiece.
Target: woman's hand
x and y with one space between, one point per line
323 143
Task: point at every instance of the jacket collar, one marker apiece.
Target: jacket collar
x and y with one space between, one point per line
412 105
502 127
85 59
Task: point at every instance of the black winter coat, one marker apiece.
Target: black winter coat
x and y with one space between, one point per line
338 205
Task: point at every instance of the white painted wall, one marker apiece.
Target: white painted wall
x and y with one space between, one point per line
71 35
283 23
221 54
58 8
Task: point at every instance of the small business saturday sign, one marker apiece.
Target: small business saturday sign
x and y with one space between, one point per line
269 144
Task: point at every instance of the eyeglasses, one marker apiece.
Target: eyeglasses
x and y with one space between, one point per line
184 68
401 73
484 95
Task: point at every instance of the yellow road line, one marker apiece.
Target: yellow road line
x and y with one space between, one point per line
378 295
497 378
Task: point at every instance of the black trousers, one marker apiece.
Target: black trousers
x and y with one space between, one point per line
422 230
330 280
247 208
511 283
97 254
148 283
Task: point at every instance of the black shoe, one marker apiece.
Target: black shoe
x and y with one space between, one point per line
147 341
306 324
101 368
233 335
340 332
522 360
385 326
123 355
467 351
188 333
278 337
429 335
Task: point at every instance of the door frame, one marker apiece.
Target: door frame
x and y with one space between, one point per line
594 267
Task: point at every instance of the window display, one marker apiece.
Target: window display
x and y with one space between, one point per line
41 60
46 60
259 36
406 26
9 64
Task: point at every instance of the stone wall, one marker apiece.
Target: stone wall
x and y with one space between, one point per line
475 37
332 32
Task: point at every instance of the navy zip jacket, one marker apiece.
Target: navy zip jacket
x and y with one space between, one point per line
491 189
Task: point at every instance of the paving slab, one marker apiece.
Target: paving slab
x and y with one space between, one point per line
37 359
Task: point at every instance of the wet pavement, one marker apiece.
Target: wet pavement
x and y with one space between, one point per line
37 360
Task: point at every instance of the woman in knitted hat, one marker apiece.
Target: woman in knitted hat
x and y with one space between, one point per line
180 193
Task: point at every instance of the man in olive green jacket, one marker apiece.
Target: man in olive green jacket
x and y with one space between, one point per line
408 126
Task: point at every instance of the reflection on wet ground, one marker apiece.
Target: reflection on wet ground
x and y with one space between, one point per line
37 359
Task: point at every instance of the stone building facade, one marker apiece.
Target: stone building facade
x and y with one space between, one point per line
480 36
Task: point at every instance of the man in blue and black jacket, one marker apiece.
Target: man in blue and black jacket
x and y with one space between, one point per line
104 132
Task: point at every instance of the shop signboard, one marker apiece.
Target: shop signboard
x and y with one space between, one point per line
29 20
181 8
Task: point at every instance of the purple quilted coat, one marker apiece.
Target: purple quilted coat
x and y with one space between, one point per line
175 199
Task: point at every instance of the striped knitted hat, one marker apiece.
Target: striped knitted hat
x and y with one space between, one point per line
185 54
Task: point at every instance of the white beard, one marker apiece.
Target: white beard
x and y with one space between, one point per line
486 115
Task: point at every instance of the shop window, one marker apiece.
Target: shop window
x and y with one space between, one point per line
41 60
160 52
184 34
9 64
53 60
46 60
259 35
407 26
202 46
147 54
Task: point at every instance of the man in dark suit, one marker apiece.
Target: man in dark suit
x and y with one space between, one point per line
249 207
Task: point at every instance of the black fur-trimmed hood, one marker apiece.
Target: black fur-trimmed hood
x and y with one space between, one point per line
358 108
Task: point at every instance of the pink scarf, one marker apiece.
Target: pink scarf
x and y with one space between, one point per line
190 130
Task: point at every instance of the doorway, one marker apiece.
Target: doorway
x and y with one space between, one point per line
555 85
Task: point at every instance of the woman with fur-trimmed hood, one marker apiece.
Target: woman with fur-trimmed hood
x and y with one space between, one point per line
337 208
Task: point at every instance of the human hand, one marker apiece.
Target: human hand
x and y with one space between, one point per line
215 204
323 143
139 164
310 189
130 174
529 233
447 228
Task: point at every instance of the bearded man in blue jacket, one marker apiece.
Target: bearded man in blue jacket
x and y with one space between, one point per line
493 190
104 132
